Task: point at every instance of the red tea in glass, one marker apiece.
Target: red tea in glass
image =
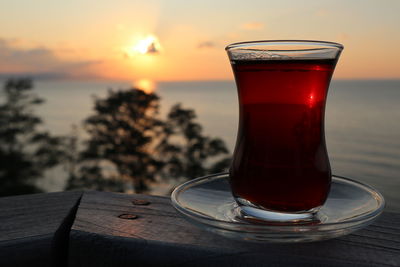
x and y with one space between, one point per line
280 161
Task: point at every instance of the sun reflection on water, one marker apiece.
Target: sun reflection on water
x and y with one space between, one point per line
146 85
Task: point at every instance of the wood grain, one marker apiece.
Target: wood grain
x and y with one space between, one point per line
160 236
34 229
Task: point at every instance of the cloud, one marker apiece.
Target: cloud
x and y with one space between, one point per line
251 26
40 62
152 49
206 44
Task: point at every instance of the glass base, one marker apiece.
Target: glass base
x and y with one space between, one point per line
247 211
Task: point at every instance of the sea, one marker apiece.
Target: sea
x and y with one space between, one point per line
362 122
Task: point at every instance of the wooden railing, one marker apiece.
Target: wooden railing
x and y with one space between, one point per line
108 229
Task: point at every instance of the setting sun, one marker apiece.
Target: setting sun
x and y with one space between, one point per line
147 45
171 40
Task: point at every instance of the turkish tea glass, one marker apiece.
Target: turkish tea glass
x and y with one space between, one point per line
280 165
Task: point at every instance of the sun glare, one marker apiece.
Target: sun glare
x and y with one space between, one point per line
147 86
147 45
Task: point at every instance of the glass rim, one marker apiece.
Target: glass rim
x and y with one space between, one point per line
249 44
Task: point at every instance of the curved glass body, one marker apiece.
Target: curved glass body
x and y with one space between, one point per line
280 161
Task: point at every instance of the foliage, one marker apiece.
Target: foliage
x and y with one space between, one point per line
26 151
129 143
119 147
189 155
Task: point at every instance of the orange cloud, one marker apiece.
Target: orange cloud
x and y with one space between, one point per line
206 44
41 62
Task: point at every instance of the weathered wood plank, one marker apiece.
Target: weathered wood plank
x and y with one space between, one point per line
34 229
160 236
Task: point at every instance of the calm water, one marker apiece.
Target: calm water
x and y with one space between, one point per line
362 122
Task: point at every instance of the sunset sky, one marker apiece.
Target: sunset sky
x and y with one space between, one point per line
174 40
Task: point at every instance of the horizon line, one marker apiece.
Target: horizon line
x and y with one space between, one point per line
52 77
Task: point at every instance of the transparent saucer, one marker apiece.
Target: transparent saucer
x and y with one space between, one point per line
208 203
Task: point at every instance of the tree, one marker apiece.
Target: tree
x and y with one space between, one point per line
191 152
121 134
128 142
26 152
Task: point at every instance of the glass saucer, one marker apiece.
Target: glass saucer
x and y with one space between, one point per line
208 203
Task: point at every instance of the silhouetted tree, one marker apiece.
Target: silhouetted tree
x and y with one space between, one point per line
188 152
121 134
88 175
26 152
128 142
